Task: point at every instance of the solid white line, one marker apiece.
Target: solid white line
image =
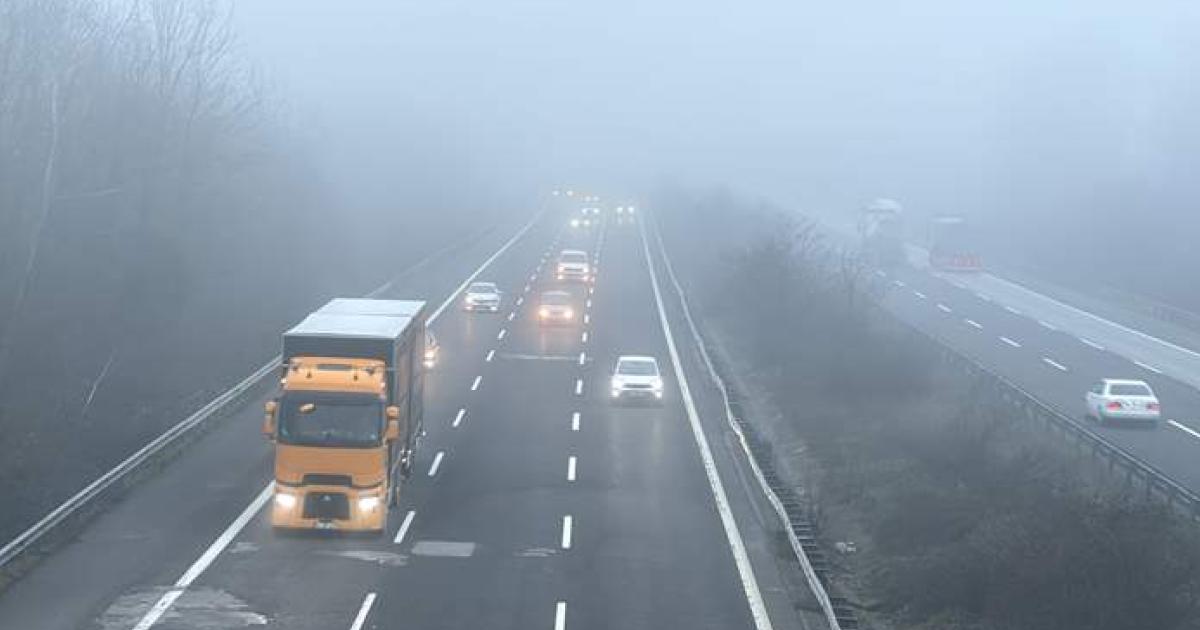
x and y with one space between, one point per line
560 616
566 531
1055 364
758 609
582 358
1089 342
202 563
919 294
363 611
943 308
471 278
1046 325
1186 429
571 468
437 462
974 324
584 337
501 334
408 519
490 355
1010 342
575 421
578 386
1146 366
459 417
478 380
1012 310
512 315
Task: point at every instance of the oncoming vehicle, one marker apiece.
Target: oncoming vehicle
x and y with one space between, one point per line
1122 399
578 223
556 308
573 264
637 377
482 296
624 210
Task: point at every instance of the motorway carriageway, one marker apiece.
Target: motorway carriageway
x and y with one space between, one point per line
535 503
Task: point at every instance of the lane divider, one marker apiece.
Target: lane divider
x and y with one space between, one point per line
571 468
458 418
437 463
578 386
363 611
478 381
1010 342
567 525
408 520
490 355
1054 364
575 421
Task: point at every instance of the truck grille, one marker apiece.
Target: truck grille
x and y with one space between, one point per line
326 506
319 479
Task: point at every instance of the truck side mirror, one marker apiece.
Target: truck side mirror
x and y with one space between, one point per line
268 427
393 424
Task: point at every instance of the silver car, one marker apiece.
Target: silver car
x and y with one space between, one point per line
482 296
1122 399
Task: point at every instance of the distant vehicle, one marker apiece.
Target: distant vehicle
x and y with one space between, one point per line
556 308
573 265
625 210
1122 399
346 423
590 210
952 244
581 223
881 233
482 296
432 350
637 377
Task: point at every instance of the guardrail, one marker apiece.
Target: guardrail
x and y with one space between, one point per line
788 507
42 537
1156 482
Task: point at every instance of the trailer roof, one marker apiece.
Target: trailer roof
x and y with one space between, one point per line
364 306
350 326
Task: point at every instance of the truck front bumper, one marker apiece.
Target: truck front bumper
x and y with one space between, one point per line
329 507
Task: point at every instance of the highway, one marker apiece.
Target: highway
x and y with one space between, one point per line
535 502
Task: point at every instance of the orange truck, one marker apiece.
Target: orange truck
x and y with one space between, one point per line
349 414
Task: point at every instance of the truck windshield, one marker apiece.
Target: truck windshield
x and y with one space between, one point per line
346 422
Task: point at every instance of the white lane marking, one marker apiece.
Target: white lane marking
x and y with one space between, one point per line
571 468
982 297
1046 325
880 273
501 334
1010 342
567 525
587 318
943 308
490 355
458 418
408 519
919 294
582 358
584 337
898 283
1012 310
591 290
974 324
578 386
560 616
1089 342
478 380
520 300
575 421
1186 429
471 278
1055 364
532 277
437 462
754 599
202 563
363 611
527 288
512 316
1147 366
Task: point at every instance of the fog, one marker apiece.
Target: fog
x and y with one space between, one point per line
1018 108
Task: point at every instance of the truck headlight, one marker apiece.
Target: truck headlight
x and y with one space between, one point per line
367 504
569 313
543 312
285 501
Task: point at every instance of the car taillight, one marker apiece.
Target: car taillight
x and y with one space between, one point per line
1113 406
1152 406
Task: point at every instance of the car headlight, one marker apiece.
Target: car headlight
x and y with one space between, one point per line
656 383
543 312
569 313
285 501
574 222
367 504
618 382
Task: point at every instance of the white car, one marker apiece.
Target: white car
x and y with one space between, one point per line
555 308
637 377
1122 399
482 296
573 264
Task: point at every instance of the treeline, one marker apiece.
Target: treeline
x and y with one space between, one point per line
964 515
158 223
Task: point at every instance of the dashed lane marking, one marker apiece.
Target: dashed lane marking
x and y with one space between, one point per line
1054 364
408 520
437 463
458 417
1010 342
